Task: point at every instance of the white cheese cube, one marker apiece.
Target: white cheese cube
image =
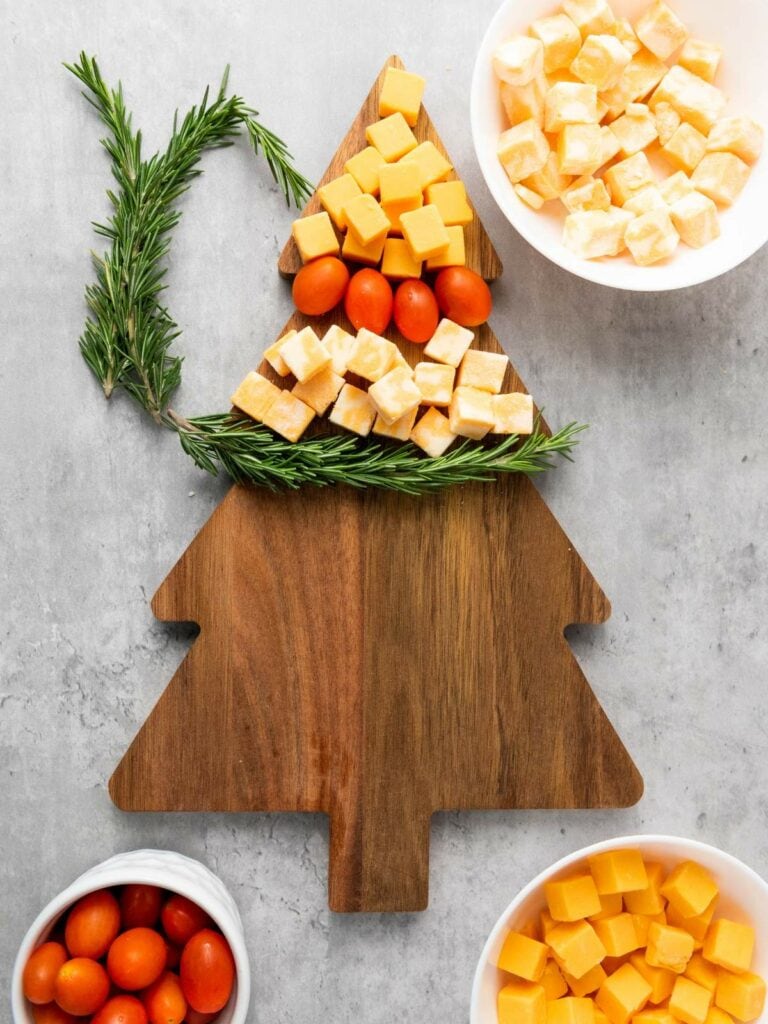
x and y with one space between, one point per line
449 343
304 354
512 414
483 370
660 30
470 413
675 187
288 416
372 355
273 357
569 103
586 193
644 201
738 135
601 61
321 390
590 16
641 75
580 148
522 150
626 35
519 60
700 58
400 430
635 130
394 395
560 38
695 100
548 182
435 382
524 102
695 218
609 145
651 237
353 410
340 345
530 198
255 395
667 121
591 234
628 177
721 176
686 149
433 433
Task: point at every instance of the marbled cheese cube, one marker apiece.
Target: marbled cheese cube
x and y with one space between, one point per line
394 395
401 93
591 234
400 182
701 58
372 355
686 149
626 35
560 38
695 100
628 177
579 148
320 391
635 130
721 176
273 357
335 194
651 237
255 395
512 414
340 345
391 137
586 193
431 163
569 103
352 249
640 76
365 219
305 355
609 145
660 30
449 343
353 410
401 361
400 430
738 135
549 183
524 102
482 370
398 263
675 187
645 200
288 416
518 60
425 232
530 198
435 382
590 16
455 255
365 168
395 211
315 237
601 61
450 198
470 413
433 433
667 121
522 150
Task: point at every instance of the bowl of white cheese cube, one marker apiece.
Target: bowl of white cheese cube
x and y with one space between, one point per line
623 138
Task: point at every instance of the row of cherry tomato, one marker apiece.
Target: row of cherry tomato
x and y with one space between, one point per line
459 294
143 956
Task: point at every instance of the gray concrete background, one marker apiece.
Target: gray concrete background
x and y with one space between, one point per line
666 501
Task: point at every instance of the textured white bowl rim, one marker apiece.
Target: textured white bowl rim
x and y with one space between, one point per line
691 846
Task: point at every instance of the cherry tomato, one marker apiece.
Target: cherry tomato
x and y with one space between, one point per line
182 918
140 906
463 296
121 1010
92 924
81 986
320 285
368 302
193 1017
52 1013
136 958
207 971
172 956
416 312
164 1000
41 970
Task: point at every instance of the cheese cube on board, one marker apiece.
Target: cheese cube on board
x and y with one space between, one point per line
549 183
400 430
335 194
524 102
591 234
695 100
645 200
365 219
455 254
305 355
340 345
394 394
667 121
738 135
401 93
435 382
569 103
449 343
628 177
639 78
579 148
315 237
675 187
398 263
721 176
450 198
586 193
660 30
522 150
288 416
530 198
521 1002
255 395
273 357
635 130
391 137
686 149
365 167
394 212
431 163
425 232
352 249
353 410
651 237
400 182
483 370
590 16
470 413
433 433
320 391
626 35
372 356
518 60
560 38
601 61
701 58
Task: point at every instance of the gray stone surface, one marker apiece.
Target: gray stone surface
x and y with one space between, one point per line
666 501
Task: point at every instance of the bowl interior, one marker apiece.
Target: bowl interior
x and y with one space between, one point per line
737 27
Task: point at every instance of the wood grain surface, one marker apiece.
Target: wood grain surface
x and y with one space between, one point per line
379 658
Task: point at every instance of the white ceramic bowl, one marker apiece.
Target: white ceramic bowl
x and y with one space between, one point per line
743 897
168 870
740 27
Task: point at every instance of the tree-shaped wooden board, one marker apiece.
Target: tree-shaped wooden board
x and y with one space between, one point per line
379 658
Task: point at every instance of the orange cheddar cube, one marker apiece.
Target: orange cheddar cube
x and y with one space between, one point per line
570 1010
618 934
702 972
623 994
658 1016
648 900
568 899
741 995
547 923
660 979
718 1016
523 957
689 1002
576 947
590 982
610 905
618 870
552 981
643 923
730 945
522 1002
397 262
690 888
696 926
669 947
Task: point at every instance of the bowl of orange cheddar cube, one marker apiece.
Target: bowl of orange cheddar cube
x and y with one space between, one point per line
623 138
634 930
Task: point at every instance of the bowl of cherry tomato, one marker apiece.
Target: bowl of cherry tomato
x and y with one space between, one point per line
147 937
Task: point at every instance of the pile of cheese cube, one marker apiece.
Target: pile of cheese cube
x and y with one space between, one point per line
393 205
389 397
589 97
624 941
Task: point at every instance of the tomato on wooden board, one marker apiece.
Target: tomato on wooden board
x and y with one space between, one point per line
463 296
320 285
140 906
52 1013
182 918
136 958
92 924
416 311
40 972
81 986
164 1000
368 302
121 1010
207 971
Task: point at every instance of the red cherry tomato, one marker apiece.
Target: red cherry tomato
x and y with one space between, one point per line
207 971
164 1000
368 302
121 1010
41 970
416 312
463 296
92 924
52 1013
193 1017
320 285
173 955
81 986
136 958
182 918
140 906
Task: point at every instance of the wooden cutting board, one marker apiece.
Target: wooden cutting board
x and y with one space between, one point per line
379 658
